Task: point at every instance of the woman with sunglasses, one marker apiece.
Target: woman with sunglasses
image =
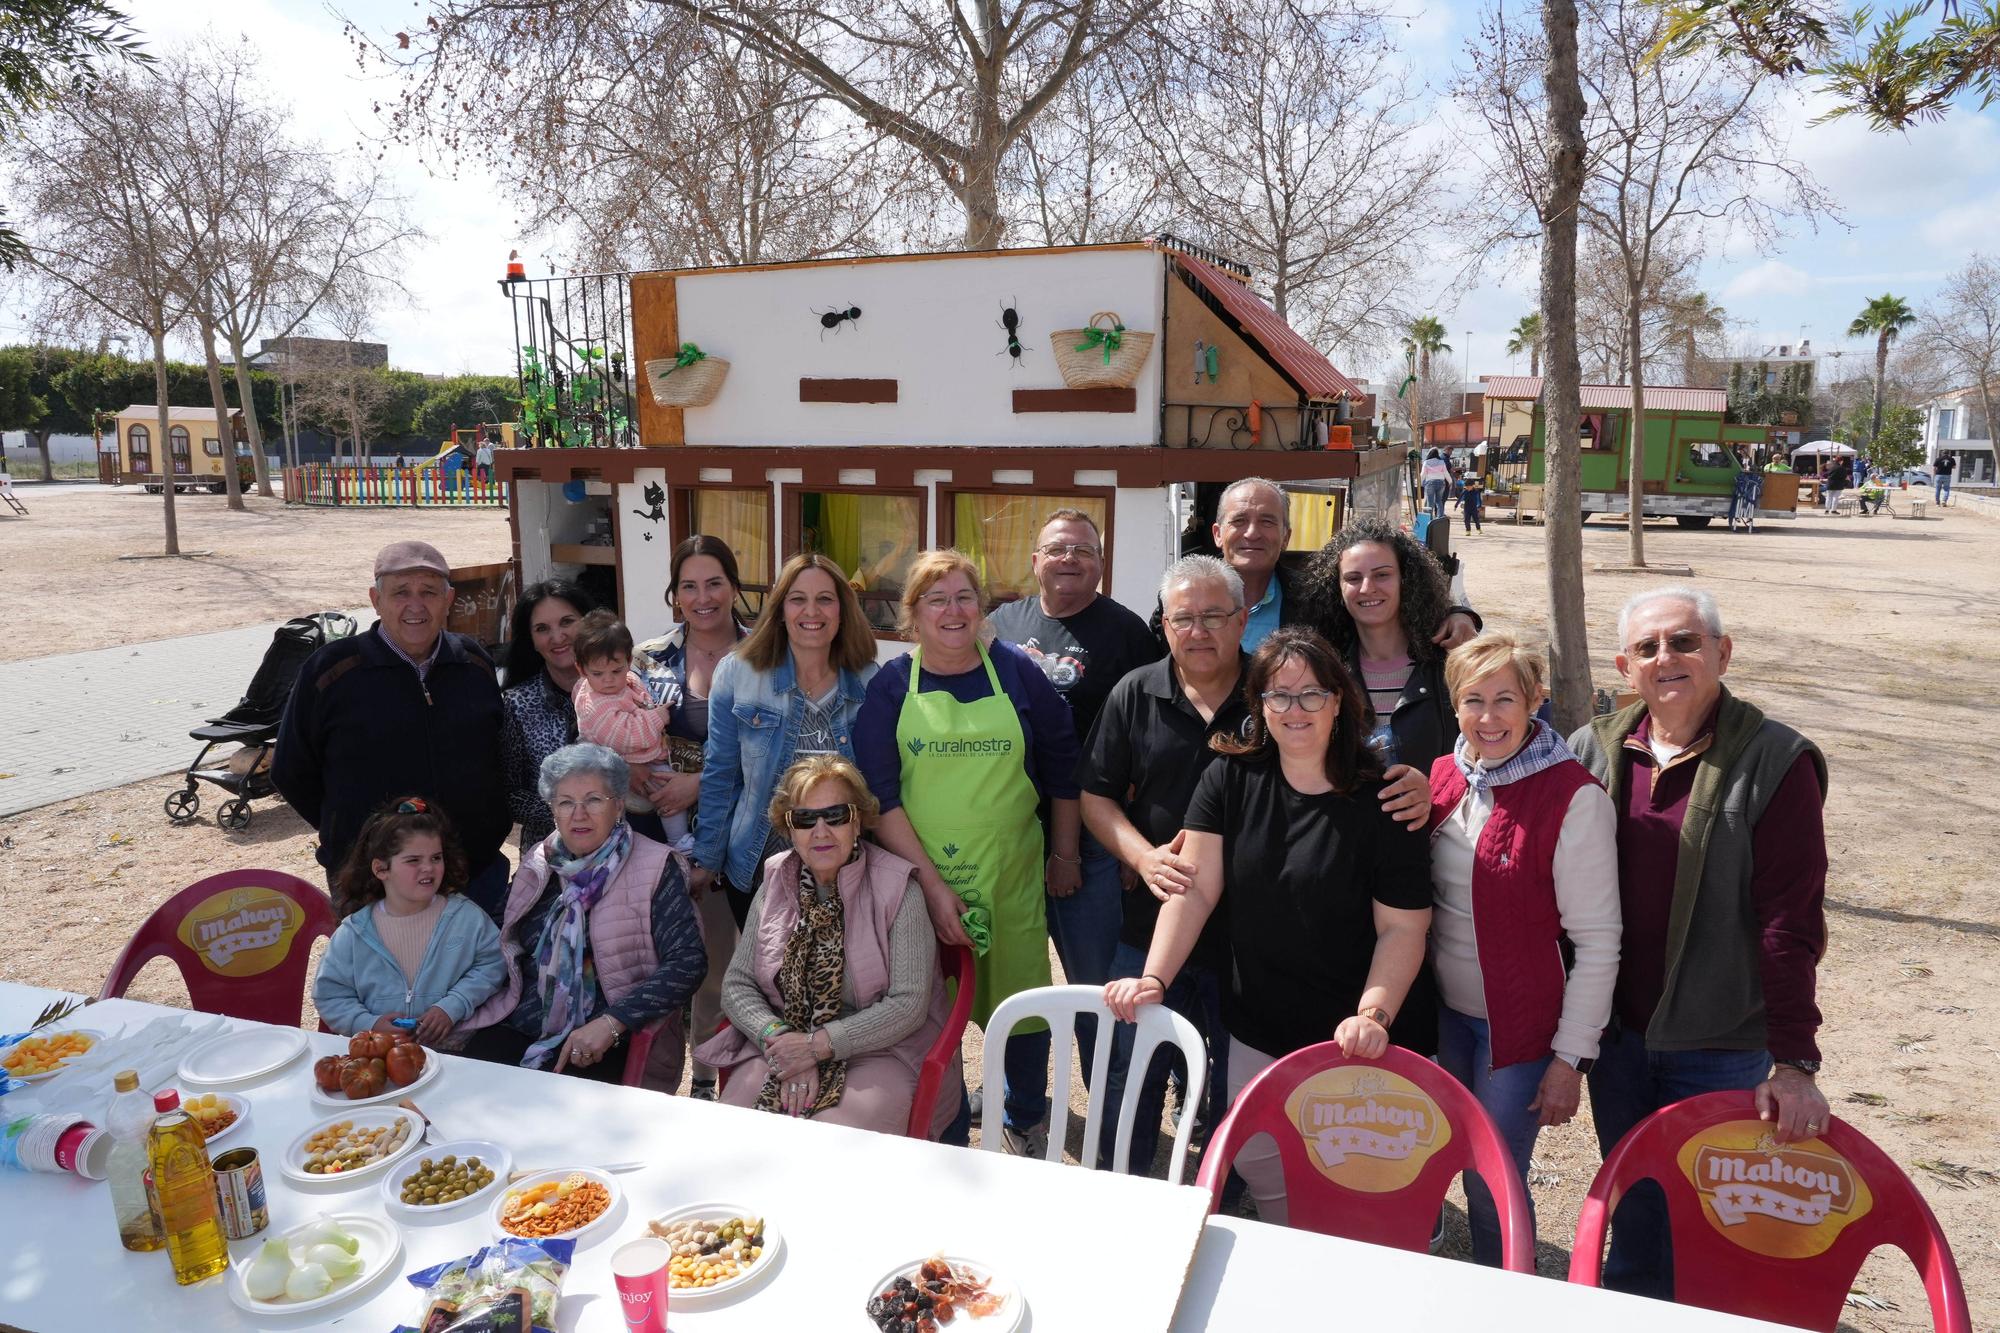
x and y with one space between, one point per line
958 740
598 932
833 996
1327 898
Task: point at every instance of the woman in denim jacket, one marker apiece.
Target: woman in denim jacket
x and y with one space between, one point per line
790 690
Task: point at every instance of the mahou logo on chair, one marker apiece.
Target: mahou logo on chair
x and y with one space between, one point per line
241 932
1785 1201
1367 1129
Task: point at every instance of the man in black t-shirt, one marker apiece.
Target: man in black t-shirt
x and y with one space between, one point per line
1084 642
1138 771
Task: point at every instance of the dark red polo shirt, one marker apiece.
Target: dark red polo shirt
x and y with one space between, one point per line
1787 889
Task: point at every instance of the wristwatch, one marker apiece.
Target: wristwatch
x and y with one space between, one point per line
1580 1063
1376 1012
1806 1067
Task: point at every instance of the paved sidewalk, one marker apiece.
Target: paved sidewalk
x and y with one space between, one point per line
84 722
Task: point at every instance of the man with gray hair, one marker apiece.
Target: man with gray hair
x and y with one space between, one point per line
1722 881
407 708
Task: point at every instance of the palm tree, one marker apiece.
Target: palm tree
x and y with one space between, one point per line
1526 336
1885 316
1695 317
1424 339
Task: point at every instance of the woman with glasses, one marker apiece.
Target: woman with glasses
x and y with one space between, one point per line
833 996
959 742
598 932
792 688
1326 898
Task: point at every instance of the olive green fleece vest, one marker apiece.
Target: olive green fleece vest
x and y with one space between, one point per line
1713 994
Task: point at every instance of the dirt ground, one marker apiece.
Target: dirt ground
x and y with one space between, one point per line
1871 635
70 558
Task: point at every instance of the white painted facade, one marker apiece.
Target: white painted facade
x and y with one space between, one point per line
1953 423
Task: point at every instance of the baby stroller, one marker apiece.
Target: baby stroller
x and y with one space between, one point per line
252 726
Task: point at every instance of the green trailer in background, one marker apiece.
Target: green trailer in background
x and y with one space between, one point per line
1691 461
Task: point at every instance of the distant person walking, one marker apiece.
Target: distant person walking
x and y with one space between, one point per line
1437 482
1839 479
1942 471
484 459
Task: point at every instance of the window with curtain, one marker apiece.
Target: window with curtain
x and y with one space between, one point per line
742 518
873 537
998 530
1315 518
211 447
178 446
140 441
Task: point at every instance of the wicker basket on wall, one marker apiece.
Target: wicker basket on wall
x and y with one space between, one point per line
1104 354
680 382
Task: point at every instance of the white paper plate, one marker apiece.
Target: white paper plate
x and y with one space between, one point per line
1013 1308
721 1292
491 1155
392 1093
380 1252
529 1182
237 1104
292 1164
97 1039
239 1057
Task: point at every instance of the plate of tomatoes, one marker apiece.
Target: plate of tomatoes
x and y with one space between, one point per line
378 1067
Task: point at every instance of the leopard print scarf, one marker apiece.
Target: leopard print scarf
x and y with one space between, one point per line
810 978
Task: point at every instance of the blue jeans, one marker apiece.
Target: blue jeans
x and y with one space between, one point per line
1628 1084
1024 1078
1434 494
1474 517
1466 1053
1943 488
1084 927
1196 995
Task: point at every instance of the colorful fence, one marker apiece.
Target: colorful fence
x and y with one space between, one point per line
389 487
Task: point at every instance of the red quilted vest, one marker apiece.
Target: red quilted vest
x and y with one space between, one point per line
1515 923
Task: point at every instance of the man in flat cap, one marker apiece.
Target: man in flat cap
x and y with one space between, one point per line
407 708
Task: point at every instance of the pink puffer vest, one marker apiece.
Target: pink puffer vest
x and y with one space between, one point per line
621 925
871 891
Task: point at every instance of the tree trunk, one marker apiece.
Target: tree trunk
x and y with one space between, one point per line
1635 484
1881 374
40 439
232 485
1562 467
164 448
985 225
250 423
1535 353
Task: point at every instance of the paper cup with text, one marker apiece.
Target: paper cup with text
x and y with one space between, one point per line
640 1269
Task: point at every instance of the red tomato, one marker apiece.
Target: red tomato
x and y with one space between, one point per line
406 1062
326 1073
362 1078
369 1044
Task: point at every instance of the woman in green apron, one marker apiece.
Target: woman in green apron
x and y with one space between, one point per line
957 740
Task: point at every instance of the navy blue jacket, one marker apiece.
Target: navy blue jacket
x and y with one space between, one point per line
361 728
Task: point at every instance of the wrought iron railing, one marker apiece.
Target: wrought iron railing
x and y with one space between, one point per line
1288 426
573 358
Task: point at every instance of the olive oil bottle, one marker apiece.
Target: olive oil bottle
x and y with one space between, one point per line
182 1185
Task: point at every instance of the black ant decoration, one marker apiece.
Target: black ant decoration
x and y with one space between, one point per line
1010 320
831 320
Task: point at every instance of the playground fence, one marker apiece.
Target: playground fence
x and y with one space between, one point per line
388 487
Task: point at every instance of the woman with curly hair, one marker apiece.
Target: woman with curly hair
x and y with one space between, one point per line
1382 600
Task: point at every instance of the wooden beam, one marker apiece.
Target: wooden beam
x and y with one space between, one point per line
1076 400
846 391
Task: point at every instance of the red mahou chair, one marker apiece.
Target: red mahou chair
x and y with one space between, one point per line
241 941
1370 1147
1769 1231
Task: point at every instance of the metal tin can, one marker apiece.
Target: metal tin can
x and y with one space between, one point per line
239 1193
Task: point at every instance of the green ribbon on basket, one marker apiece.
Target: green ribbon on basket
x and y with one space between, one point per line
1108 339
689 354
978 923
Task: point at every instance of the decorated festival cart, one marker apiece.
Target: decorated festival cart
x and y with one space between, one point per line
869 408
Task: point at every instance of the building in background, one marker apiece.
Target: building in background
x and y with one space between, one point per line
1955 423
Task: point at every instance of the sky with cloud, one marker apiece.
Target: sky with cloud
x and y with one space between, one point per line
1913 206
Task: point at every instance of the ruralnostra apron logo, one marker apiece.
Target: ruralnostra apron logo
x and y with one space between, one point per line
956 749
1367 1129
241 932
1783 1201
916 745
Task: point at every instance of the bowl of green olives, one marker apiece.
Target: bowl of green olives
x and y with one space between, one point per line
444 1178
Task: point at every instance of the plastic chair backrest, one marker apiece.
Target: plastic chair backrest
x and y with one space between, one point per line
241 940
1060 1006
956 962
1768 1231
1369 1148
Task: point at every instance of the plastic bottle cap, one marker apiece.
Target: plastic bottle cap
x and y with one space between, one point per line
170 1100
126 1080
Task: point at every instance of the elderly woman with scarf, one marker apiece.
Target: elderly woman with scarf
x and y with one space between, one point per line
1526 921
834 995
598 933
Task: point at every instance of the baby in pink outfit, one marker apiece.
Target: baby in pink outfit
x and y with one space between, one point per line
614 708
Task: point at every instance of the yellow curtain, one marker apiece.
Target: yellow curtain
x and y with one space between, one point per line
1315 518
743 520
998 531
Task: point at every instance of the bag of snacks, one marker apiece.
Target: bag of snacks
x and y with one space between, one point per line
509 1287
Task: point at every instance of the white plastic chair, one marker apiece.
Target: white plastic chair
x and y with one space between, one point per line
1060 1006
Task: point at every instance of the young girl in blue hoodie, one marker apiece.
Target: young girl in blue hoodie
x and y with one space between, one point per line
409 946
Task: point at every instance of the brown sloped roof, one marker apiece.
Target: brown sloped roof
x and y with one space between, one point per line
1305 364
